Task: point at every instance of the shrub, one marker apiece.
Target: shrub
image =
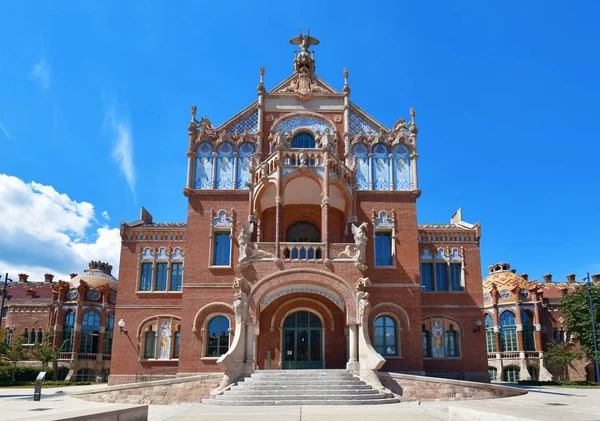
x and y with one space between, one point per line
557 383
22 374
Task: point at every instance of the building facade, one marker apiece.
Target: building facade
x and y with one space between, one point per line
522 318
307 207
79 315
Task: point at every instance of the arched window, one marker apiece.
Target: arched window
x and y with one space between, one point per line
85 375
149 343
528 329
68 331
63 372
508 331
401 166
490 336
90 331
204 167
385 336
32 336
361 165
303 232
225 166
511 374
303 140
40 336
381 167
426 339
451 342
218 336
245 152
108 334
534 372
493 372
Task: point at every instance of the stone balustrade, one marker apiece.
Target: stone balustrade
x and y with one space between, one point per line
302 252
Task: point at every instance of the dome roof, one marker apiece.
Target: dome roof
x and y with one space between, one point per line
503 278
97 275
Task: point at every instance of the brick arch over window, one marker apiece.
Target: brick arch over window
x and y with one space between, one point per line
387 308
310 276
301 302
154 319
297 124
211 309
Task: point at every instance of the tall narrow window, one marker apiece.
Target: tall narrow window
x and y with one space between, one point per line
40 336
490 336
383 248
146 277
176 340
222 249
32 336
385 336
528 329
90 331
25 336
218 336
149 344
508 332
176 276
108 334
426 340
511 374
451 342
427 276
9 336
68 332
161 277
441 277
455 275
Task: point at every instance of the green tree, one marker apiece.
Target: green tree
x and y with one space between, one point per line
45 351
576 309
3 342
15 353
561 354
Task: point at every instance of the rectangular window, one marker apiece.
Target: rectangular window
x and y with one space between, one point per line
455 275
176 276
383 249
441 277
177 339
149 342
508 337
427 276
146 277
222 248
161 277
490 338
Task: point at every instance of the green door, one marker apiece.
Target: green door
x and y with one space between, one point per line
302 341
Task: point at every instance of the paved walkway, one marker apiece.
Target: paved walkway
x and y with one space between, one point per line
547 403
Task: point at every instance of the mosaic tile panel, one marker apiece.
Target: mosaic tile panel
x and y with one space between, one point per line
248 124
357 124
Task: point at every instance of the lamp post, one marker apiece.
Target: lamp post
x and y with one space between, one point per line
592 313
3 296
121 325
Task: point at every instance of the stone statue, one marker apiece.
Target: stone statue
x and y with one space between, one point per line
362 305
302 158
358 251
304 41
205 124
239 307
326 140
280 140
244 241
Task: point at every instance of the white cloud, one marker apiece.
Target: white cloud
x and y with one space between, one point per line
122 151
41 72
4 130
46 231
105 215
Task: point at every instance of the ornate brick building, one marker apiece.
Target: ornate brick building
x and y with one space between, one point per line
521 318
79 315
307 206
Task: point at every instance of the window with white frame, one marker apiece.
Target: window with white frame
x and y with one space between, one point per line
221 244
161 271
443 271
384 238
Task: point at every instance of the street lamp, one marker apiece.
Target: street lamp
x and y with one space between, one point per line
477 327
592 313
121 324
3 296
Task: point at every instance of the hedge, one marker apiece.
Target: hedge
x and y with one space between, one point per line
557 383
23 374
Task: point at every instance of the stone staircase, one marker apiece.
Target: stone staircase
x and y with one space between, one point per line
300 387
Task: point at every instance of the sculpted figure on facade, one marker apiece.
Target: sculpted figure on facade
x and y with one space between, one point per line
326 141
358 251
240 307
244 243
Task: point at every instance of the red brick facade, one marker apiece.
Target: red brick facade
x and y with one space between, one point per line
315 267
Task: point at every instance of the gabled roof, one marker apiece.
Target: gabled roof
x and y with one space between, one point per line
290 78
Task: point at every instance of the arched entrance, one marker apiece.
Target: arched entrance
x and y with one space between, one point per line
302 341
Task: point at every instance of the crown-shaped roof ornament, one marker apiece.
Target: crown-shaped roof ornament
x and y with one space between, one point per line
304 59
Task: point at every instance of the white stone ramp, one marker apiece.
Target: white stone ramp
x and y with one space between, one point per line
300 387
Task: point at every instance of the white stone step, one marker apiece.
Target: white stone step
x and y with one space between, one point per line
296 392
266 402
308 386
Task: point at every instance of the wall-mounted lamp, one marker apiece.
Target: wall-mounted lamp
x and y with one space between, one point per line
121 324
476 329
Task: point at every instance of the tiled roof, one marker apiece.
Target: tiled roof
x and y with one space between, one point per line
18 290
554 289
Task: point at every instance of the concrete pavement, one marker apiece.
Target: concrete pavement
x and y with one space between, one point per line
541 403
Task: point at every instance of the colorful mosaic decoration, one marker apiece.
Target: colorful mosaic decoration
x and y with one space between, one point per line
248 124
357 124
246 150
505 294
383 221
381 167
375 173
204 166
310 123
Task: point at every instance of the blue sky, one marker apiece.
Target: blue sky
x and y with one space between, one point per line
95 97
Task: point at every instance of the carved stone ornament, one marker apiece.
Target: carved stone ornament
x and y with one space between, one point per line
242 284
358 252
363 283
337 118
303 85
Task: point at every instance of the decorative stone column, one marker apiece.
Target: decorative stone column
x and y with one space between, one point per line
352 363
494 294
279 209
325 205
